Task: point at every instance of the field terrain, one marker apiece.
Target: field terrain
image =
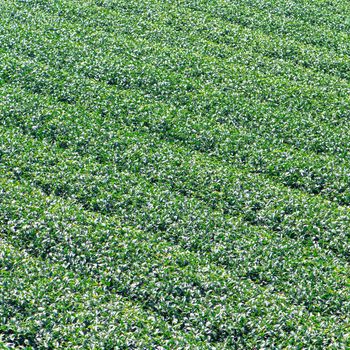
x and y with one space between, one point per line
174 174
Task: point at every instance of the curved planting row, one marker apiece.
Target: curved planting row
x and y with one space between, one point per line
192 294
167 177
211 136
67 309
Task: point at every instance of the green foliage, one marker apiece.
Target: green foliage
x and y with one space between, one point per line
174 175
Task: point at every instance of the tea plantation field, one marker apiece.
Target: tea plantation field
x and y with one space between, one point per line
174 174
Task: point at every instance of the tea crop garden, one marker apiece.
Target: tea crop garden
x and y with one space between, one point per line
174 174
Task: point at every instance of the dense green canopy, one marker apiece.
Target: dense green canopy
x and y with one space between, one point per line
174 174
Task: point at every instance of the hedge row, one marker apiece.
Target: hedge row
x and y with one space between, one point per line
191 201
44 305
313 173
189 292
